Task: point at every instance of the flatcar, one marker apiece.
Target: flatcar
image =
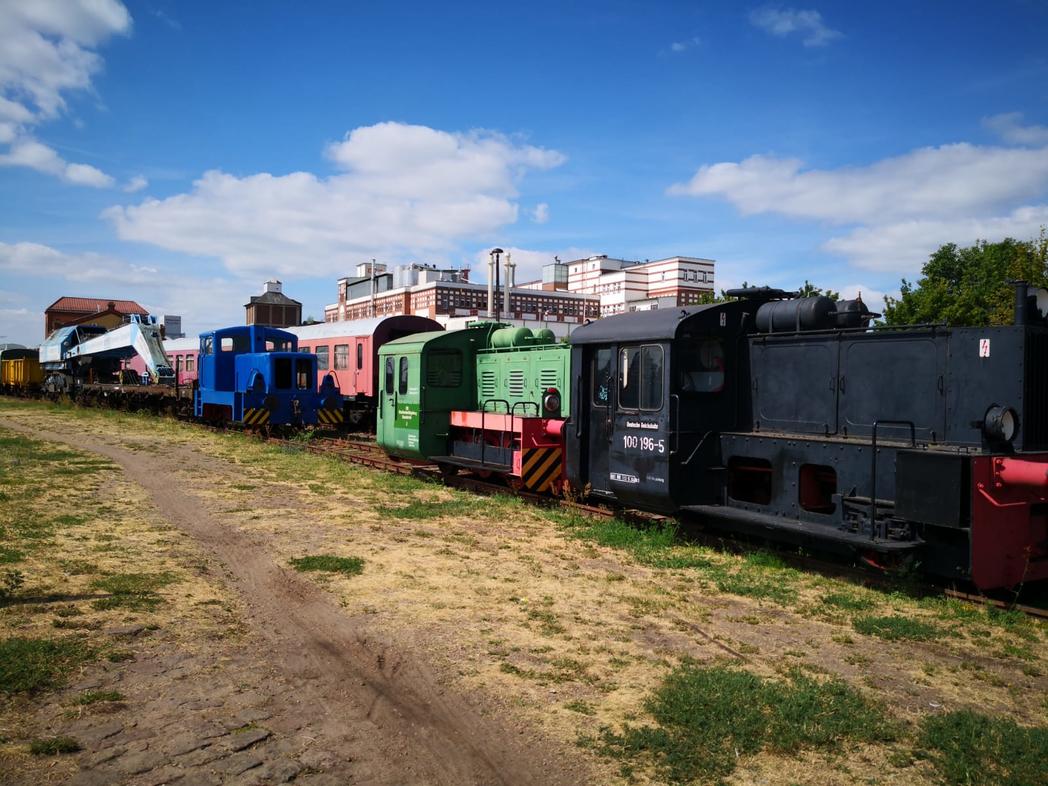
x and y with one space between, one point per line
769 414
256 376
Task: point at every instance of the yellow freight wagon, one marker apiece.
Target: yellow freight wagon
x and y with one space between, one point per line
20 370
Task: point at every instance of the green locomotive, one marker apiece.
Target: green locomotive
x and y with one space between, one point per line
488 398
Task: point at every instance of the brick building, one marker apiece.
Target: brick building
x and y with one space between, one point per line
273 308
447 294
80 310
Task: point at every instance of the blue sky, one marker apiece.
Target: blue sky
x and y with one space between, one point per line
180 153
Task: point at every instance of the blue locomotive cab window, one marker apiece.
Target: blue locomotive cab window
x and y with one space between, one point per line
702 366
207 345
389 376
305 375
640 377
601 381
282 373
402 388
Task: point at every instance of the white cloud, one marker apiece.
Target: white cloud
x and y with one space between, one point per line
679 47
540 215
135 184
900 209
902 247
35 155
46 51
203 301
1009 127
405 191
933 181
783 22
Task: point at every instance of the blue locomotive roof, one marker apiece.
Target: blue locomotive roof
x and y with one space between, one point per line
657 325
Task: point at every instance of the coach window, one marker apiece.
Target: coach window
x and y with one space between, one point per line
389 376
341 356
402 388
322 358
702 366
602 378
360 355
640 377
303 349
190 363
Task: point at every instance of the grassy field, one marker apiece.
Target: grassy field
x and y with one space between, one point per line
664 662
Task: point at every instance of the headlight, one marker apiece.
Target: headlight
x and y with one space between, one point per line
1000 423
551 401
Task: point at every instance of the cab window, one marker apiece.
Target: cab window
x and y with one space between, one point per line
601 378
207 345
702 366
305 375
402 388
640 377
282 373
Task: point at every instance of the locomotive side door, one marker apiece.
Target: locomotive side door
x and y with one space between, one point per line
639 458
599 395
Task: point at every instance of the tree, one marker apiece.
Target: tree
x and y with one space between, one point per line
810 290
970 286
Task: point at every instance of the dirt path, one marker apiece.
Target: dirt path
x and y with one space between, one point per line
383 713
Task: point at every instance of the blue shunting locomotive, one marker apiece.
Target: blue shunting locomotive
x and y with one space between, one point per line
256 376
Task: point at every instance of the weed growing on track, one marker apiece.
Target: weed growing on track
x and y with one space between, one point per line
706 717
896 628
30 665
971 749
53 746
347 566
97 696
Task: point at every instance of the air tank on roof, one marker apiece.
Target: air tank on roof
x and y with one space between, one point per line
806 313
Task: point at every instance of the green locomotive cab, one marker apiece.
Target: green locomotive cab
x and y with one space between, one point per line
423 378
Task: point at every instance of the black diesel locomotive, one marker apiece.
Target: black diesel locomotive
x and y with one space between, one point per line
790 417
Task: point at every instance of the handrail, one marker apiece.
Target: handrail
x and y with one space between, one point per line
873 469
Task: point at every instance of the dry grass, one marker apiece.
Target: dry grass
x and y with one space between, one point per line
574 624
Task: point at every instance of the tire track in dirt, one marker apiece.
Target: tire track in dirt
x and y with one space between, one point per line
408 728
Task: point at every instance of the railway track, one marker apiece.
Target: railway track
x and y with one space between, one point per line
360 449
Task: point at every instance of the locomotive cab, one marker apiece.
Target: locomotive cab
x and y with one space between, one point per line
651 388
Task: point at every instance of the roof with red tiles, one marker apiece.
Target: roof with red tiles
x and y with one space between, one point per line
90 304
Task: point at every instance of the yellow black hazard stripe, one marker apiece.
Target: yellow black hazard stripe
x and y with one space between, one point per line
330 417
540 469
256 416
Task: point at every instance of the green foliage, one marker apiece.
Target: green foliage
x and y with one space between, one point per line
349 566
969 286
895 628
810 290
415 509
29 665
848 601
707 717
131 590
971 749
52 746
